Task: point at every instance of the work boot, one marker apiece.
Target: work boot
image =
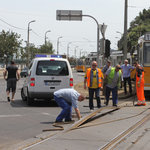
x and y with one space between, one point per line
58 121
137 105
70 121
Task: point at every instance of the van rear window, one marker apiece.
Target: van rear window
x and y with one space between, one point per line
57 68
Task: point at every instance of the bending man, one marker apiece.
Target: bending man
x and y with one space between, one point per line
66 99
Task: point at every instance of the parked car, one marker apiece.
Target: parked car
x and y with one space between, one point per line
45 76
24 72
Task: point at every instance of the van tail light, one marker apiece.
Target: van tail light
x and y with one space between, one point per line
71 81
32 82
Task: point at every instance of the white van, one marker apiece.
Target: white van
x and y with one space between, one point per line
45 76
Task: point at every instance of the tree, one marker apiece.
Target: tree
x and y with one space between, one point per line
138 27
48 48
32 51
9 44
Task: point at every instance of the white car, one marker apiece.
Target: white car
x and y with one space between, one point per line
45 76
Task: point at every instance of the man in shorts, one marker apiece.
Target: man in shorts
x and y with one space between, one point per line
11 79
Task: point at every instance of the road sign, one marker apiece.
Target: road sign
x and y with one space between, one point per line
102 28
71 15
147 36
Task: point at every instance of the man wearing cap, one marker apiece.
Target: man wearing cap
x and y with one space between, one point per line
66 99
126 76
113 75
106 67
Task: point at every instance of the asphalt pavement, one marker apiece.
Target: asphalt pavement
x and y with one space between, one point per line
99 132
94 136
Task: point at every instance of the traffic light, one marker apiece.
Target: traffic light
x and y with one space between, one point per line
107 48
132 50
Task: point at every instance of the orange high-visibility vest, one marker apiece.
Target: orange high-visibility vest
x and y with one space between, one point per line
140 90
99 79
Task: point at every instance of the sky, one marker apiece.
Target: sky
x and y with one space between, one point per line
15 16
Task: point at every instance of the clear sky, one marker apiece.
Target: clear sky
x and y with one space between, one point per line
83 34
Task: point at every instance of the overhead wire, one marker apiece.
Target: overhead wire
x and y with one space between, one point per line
12 25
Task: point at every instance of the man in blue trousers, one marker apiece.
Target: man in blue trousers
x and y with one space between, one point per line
114 78
66 99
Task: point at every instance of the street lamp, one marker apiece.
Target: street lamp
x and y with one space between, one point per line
75 55
117 37
87 39
28 41
139 27
84 53
80 52
68 49
120 33
45 35
58 45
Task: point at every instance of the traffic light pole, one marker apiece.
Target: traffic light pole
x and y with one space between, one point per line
125 32
77 15
98 38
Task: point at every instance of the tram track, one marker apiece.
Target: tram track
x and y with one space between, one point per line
83 123
122 136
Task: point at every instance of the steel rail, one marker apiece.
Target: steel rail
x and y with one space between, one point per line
75 125
72 127
118 139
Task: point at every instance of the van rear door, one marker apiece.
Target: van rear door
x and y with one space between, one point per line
52 75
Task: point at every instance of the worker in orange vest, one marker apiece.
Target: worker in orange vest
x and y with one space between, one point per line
140 84
94 79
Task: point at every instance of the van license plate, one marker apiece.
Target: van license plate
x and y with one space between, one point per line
52 83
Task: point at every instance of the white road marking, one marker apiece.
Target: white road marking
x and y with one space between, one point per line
45 113
3 116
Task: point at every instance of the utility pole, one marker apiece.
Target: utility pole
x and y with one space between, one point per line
125 31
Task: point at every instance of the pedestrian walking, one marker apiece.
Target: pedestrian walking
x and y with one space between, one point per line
114 78
126 76
66 99
94 79
105 68
140 84
11 79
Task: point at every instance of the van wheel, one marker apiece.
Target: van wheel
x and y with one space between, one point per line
24 98
30 101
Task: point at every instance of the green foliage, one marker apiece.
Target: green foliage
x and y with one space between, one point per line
9 44
48 48
138 27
